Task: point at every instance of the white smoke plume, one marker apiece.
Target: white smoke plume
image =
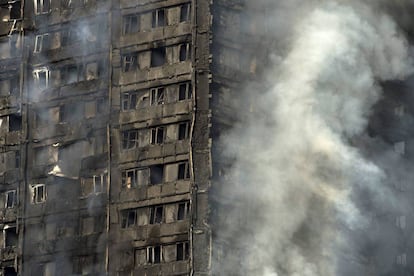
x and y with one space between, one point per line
296 169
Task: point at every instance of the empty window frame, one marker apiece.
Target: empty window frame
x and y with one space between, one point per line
72 73
15 122
185 12
129 62
183 210
129 218
183 251
154 254
99 183
157 96
156 174
41 77
129 100
158 57
130 139
41 43
42 6
10 236
156 214
135 177
10 199
184 131
185 51
38 193
69 36
157 135
130 23
159 18
185 91
183 171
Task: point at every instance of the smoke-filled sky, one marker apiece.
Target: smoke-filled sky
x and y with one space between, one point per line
314 200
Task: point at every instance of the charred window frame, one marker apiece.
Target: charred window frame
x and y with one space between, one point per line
130 62
42 6
10 200
131 24
158 135
156 214
42 42
129 100
130 139
69 36
72 73
15 122
129 218
159 18
185 12
183 210
184 131
156 174
183 251
183 171
158 56
41 77
38 193
133 178
185 52
10 236
99 183
157 96
154 254
185 91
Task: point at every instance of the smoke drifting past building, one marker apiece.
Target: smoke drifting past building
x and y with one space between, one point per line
205 137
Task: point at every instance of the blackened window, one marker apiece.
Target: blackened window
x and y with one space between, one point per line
185 91
158 57
156 174
10 198
185 52
129 218
10 236
15 122
183 210
158 18
183 251
129 100
157 135
10 271
130 139
130 62
184 131
38 193
183 171
185 13
131 24
157 96
156 214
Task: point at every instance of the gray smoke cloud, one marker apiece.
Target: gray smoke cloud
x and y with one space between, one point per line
298 178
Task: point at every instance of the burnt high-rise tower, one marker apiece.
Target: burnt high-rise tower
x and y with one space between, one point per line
137 137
